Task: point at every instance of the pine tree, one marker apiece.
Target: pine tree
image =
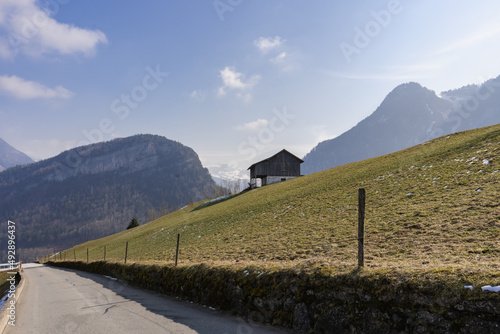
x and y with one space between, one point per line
133 223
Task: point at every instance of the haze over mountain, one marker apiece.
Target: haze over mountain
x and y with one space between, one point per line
233 179
409 115
10 157
95 190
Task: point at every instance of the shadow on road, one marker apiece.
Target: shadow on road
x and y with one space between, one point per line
201 319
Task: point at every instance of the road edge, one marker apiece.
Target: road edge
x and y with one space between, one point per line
318 300
4 319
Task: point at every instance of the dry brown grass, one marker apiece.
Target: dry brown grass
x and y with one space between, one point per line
432 207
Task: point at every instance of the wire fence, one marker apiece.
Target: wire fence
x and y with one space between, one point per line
360 238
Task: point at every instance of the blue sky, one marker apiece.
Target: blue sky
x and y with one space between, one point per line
236 80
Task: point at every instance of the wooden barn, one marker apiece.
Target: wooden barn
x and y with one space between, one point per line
280 167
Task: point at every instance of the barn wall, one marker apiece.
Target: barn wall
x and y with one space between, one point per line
283 164
274 169
276 179
261 169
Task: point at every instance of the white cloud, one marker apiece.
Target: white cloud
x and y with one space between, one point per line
399 72
374 76
24 89
221 91
469 41
233 80
253 126
5 51
279 58
198 95
266 44
418 67
246 97
27 28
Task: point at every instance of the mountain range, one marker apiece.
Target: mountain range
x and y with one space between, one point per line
232 179
95 190
409 115
10 157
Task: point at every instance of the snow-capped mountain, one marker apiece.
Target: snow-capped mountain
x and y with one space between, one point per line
226 176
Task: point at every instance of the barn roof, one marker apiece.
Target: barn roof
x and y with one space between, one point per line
265 160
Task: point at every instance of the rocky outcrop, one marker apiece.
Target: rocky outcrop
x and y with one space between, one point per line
123 156
95 190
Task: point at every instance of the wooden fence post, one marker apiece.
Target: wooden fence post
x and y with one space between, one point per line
104 252
361 227
126 251
177 250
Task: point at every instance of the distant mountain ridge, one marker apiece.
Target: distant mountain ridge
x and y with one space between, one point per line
10 157
234 179
93 191
409 115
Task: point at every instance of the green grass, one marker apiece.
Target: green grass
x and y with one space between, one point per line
431 208
4 284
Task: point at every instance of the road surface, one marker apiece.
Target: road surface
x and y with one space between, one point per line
65 301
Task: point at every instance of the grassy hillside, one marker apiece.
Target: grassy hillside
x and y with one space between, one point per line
434 206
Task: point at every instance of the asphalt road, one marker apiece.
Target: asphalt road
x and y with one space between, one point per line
65 301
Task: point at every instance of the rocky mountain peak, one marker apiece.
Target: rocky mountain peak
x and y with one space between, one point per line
92 191
122 155
409 115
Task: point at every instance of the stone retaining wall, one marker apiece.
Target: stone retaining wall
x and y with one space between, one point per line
317 303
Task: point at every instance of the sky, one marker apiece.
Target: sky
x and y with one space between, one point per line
236 80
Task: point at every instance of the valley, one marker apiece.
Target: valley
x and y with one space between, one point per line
431 206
